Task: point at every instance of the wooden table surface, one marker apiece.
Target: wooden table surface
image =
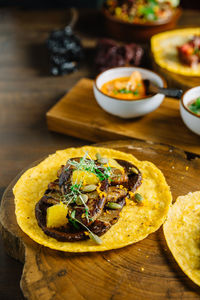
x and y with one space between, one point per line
27 91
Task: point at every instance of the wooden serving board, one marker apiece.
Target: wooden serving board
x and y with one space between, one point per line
145 270
78 114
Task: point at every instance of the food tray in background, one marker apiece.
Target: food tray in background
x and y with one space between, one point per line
78 114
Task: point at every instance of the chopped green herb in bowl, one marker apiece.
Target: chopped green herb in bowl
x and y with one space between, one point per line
195 106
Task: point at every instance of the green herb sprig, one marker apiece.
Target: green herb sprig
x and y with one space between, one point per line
88 164
72 195
127 91
73 221
92 236
102 172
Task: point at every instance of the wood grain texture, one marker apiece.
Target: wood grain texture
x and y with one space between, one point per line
78 114
27 91
145 270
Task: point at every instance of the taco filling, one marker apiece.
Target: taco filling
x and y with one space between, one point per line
80 195
178 51
87 197
189 52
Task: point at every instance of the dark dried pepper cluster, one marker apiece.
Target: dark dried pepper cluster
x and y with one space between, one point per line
111 54
65 51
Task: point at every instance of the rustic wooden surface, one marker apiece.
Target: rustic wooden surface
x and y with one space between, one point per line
145 270
78 114
27 91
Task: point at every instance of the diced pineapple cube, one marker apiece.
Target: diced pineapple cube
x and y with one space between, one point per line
57 215
84 177
112 163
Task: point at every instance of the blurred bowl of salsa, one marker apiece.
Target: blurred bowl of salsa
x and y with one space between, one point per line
121 91
139 20
190 109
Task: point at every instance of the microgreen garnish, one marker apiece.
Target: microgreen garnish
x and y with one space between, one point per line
95 238
71 197
72 220
88 164
74 223
73 214
92 236
103 175
87 214
75 188
76 195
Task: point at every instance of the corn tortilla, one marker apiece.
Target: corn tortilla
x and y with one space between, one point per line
135 222
163 47
182 233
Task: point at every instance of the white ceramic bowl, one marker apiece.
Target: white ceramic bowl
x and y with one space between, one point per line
127 108
191 120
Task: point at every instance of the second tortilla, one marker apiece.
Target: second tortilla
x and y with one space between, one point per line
182 233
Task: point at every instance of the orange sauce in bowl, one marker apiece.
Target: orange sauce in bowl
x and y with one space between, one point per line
125 88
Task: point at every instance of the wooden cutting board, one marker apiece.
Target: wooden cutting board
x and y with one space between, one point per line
78 114
145 270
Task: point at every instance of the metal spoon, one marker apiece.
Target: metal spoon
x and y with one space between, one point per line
151 88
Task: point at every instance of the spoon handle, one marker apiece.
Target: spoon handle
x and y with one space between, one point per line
173 93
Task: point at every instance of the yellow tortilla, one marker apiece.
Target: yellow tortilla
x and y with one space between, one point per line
135 223
182 233
163 47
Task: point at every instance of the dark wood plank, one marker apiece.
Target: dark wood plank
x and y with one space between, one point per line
27 91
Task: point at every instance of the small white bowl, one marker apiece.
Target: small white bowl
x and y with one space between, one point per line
191 120
128 108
